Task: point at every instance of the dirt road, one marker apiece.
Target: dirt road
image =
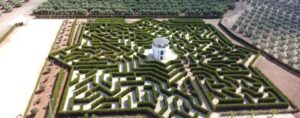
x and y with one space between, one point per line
7 19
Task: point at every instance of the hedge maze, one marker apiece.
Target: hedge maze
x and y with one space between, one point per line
111 75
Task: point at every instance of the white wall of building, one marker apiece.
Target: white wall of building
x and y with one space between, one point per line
157 53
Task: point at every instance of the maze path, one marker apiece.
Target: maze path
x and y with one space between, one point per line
111 74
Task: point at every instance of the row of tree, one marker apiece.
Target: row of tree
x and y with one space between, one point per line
273 27
201 8
10 4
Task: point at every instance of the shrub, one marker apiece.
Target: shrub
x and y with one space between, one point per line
8 8
186 107
38 100
34 111
231 101
86 115
17 3
42 87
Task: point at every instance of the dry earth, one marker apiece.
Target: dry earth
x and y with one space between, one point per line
288 83
215 23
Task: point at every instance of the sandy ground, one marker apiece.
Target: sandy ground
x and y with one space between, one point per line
216 115
7 19
215 23
285 81
22 56
297 115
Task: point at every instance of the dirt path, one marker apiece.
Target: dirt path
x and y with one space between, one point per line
288 83
215 23
7 19
232 16
297 115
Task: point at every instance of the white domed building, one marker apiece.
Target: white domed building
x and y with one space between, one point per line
160 50
159 46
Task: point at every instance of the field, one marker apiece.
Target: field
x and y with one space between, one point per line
273 26
111 74
135 8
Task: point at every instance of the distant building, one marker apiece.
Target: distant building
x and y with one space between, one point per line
159 46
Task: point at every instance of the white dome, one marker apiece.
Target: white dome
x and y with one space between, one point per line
160 42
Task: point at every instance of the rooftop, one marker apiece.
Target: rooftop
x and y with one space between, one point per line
161 42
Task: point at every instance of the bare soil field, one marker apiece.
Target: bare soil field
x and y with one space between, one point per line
288 83
22 56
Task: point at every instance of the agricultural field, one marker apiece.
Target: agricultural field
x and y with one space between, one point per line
136 8
111 73
273 26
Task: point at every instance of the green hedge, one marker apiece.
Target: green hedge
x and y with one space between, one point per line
102 112
66 88
229 107
165 108
70 39
146 104
231 101
57 87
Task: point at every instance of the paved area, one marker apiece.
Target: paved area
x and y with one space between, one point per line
22 56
